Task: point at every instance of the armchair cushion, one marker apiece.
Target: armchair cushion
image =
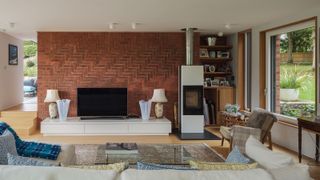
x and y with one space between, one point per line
226 132
240 135
263 120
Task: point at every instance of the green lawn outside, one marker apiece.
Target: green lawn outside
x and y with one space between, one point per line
307 93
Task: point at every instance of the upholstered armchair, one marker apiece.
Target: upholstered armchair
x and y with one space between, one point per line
259 125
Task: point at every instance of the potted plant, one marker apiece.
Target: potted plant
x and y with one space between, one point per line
290 83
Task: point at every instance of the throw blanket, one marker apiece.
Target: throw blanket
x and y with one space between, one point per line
32 149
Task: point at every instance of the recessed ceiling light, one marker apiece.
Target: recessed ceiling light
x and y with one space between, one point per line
133 25
112 25
228 26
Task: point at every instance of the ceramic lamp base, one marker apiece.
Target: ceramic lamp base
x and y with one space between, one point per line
159 110
53 111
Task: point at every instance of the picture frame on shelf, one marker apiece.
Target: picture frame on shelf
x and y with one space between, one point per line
225 54
212 54
215 82
219 54
204 53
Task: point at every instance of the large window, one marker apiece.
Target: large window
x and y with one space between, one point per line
291 67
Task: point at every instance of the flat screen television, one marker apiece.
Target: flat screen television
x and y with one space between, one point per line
102 102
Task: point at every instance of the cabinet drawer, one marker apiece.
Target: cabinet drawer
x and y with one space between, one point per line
106 129
150 128
62 129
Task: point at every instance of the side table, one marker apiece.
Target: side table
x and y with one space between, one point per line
230 119
312 125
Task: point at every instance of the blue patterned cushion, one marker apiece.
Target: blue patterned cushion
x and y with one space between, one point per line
235 156
32 149
25 161
7 145
152 166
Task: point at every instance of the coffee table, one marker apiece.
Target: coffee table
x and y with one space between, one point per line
169 154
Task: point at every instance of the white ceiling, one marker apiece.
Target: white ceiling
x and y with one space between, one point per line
31 16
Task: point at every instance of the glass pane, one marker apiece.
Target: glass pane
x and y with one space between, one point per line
295 85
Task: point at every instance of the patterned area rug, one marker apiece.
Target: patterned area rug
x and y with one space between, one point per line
173 154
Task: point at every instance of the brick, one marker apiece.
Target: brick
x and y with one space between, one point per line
139 61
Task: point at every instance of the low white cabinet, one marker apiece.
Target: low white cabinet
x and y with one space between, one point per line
75 126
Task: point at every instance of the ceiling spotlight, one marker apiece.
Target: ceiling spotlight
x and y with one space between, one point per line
133 25
220 34
228 26
111 25
12 24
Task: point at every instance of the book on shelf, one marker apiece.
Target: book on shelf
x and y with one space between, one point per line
121 148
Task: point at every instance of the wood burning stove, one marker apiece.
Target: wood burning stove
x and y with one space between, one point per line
191 99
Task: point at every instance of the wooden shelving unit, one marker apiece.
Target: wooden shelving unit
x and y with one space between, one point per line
218 73
217 47
214 60
218 95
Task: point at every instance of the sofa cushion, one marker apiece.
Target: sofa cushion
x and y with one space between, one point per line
264 156
53 173
66 156
118 167
293 172
133 174
7 145
235 156
152 166
221 166
25 161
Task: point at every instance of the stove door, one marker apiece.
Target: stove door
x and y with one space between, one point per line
192 100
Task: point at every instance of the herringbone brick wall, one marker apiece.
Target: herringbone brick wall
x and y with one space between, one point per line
138 61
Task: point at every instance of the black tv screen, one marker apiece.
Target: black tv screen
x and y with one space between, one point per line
102 102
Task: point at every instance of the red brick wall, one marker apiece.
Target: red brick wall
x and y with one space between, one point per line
139 61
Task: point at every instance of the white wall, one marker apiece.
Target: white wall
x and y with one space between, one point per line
282 134
11 77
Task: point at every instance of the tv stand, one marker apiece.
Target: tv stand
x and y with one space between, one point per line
132 126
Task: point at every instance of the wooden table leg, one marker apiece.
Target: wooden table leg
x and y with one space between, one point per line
317 147
299 142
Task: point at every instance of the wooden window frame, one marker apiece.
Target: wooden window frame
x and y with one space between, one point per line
262 58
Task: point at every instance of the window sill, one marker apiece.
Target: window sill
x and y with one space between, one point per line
286 120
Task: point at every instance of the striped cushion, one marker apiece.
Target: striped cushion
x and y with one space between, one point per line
152 166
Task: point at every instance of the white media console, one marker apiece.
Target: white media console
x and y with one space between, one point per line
75 127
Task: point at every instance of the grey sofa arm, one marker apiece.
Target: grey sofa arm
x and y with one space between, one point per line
240 134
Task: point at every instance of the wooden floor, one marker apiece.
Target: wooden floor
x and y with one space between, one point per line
172 139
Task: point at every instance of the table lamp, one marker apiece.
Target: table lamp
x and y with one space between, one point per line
52 97
159 97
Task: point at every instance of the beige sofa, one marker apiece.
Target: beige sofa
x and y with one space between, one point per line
63 173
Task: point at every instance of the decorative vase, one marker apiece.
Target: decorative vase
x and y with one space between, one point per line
212 41
63 108
145 108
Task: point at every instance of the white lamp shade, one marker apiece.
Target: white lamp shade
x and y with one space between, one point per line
159 96
52 96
